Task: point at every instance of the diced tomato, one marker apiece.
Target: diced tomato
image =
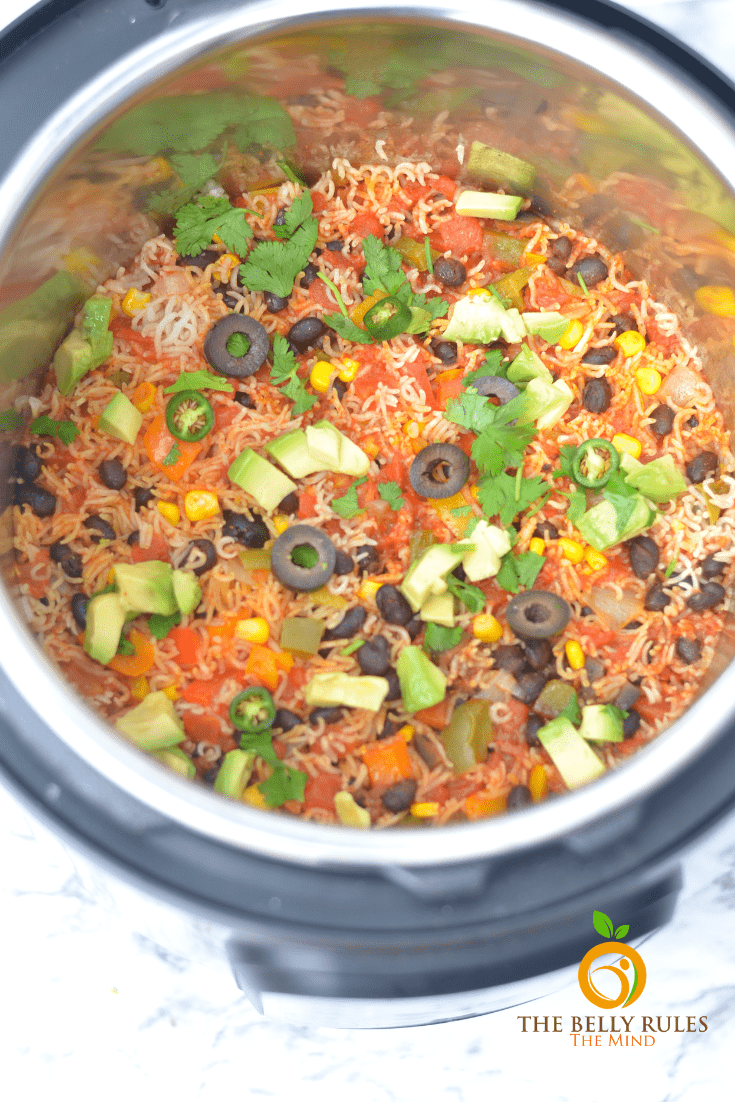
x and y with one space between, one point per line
365 223
549 292
437 716
320 791
465 440
446 186
200 728
158 549
394 470
320 294
279 748
224 414
414 191
202 692
361 110
516 714
144 346
297 678
461 235
187 644
439 794
307 503
368 379
417 370
87 680
448 385
319 201
37 582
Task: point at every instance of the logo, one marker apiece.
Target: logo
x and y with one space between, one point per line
630 971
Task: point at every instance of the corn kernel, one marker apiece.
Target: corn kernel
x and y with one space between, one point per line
143 397
717 300
225 264
170 511
348 370
412 429
595 559
139 688
368 589
571 550
486 628
574 653
537 783
479 292
371 448
280 523
648 379
572 335
201 505
536 259
425 810
537 545
624 443
630 343
172 692
321 376
350 813
253 630
406 732
253 796
111 576
135 301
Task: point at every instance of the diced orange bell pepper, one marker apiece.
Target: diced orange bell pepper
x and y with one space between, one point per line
158 549
187 644
133 665
262 664
171 456
284 660
202 692
143 397
480 807
448 385
387 761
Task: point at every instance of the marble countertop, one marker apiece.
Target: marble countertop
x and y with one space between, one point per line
91 1008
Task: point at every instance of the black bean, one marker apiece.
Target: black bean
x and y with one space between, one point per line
339 388
510 657
686 280
689 650
274 303
143 496
627 696
538 653
622 323
290 504
367 558
335 246
285 720
249 531
592 269
519 796
597 395
709 595
243 398
373 657
389 728
556 265
426 750
631 723
196 549
599 356
393 606
394 685
344 563
712 567
40 501
352 622
133 539
632 625
449 272
399 796
68 560
701 466
663 420
656 599
644 556
26 464
103 529
528 686
280 219
79 610
446 351
545 530
561 247
595 669
306 332
692 422
201 260
113 474
534 724
329 715
414 626
310 273
593 207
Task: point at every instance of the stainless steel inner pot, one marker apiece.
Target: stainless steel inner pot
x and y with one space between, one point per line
639 106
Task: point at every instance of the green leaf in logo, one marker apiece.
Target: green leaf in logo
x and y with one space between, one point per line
602 924
621 931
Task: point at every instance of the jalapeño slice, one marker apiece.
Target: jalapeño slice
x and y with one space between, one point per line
387 318
189 416
594 462
252 711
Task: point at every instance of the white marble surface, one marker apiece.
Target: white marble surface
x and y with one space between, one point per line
89 1008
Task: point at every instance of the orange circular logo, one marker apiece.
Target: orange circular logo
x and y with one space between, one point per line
631 985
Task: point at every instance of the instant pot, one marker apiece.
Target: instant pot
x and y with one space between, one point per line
331 925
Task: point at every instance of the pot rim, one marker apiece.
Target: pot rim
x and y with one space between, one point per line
673 95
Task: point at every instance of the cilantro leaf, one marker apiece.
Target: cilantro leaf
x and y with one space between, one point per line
283 784
193 173
577 506
173 456
529 566
237 344
383 270
391 492
439 638
159 625
283 374
198 222
295 215
491 365
347 506
10 419
566 456
501 443
471 411
504 496
436 306
262 745
65 431
347 328
274 265
471 596
507 576
290 172
572 712
199 380
125 646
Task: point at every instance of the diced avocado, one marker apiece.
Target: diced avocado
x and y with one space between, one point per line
349 811
95 327
301 635
154 724
327 690
85 348
291 451
72 361
325 444
475 319
439 609
547 324
491 543
601 723
526 366
105 622
146 587
177 761
495 165
660 480
234 773
546 402
422 683
187 591
512 326
351 459
576 761
426 576
488 204
121 419
601 528
259 478
31 327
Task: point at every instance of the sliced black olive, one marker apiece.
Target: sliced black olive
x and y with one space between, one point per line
701 466
689 650
537 614
102 527
280 219
492 386
113 474
249 531
393 606
663 420
415 626
556 265
195 550
399 796
510 657
367 558
373 657
709 595
310 273
142 496
289 504
344 563
597 395
352 622
305 333
631 723
622 323
598 356
561 247
40 501
25 464
243 399
627 696
528 686
215 346
68 560
440 470
644 556
274 303
592 269
538 653
303 558
285 720
712 567
201 260
394 685
329 715
656 599
449 272
79 610
519 796
446 351
545 530
459 573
